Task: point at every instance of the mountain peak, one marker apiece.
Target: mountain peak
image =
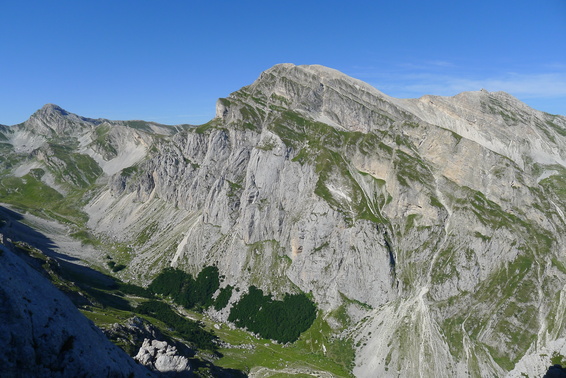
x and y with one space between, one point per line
317 92
52 118
314 72
50 111
53 108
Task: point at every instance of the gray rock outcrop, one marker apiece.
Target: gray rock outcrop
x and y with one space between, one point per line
162 357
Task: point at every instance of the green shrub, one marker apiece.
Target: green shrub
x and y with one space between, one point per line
118 268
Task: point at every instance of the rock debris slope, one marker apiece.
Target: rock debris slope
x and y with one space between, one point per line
429 231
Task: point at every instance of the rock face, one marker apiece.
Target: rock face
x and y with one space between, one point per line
162 357
133 333
44 335
434 226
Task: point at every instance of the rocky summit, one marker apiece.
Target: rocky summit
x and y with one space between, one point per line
430 232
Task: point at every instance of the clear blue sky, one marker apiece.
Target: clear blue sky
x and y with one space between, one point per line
168 61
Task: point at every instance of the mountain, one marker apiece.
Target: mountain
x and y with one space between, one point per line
429 232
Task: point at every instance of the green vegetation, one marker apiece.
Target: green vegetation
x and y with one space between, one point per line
169 282
306 354
145 235
184 289
129 171
210 125
188 329
102 299
559 265
482 236
73 172
323 146
495 106
223 298
512 292
146 126
29 193
458 137
556 184
71 168
555 127
102 141
116 267
139 125
138 291
253 115
558 359
278 320
266 146
452 328
412 169
234 187
280 99
85 237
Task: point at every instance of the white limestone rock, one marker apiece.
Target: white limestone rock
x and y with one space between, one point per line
162 357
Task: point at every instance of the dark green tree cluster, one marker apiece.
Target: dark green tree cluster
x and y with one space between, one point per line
169 282
184 289
116 267
223 298
277 320
130 289
188 329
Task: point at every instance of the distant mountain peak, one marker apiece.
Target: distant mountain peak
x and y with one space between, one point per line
52 110
53 107
317 92
52 118
316 72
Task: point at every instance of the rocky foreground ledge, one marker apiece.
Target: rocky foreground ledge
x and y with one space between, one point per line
44 335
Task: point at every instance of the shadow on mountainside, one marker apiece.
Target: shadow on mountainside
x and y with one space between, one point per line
555 371
14 229
94 288
89 280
